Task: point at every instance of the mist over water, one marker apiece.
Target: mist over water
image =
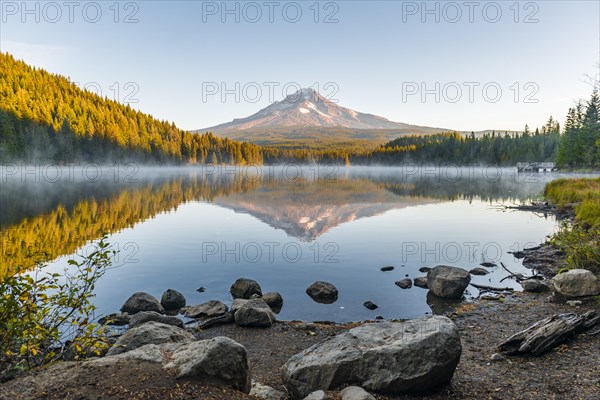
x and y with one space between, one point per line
285 226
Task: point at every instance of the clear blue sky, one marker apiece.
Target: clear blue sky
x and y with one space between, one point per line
376 55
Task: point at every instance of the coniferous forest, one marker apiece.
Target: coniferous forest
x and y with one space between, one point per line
46 118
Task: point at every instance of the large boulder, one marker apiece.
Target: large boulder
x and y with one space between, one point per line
255 313
448 282
387 357
322 292
244 289
577 283
210 309
147 316
172 300
218 361
149 333
142 301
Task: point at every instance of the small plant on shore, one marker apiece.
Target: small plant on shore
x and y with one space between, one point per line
581 244
47 316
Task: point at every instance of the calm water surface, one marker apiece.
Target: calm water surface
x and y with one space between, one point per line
285 227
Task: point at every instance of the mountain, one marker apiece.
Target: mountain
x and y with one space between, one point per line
307 115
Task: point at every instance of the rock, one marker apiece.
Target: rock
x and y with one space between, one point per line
387 268
322 292
577 283
479 271
534 285
115 319
273 299
355 393
244 289
488 264
448 282
370 305
201 289
497 357
219 361
265 392
149 333
404 283
210 309
237 303
518 254
424 269
141 301
317 395
172 300
421 281
255 313
387 357
146 316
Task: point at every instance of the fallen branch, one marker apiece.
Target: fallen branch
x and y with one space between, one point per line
491 288
548 333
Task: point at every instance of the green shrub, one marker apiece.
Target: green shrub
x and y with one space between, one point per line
45 316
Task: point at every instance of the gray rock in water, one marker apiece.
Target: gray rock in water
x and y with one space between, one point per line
448 282
421 281
370 305
317 395
518 254
577 283
479 271
142 301
210 309
149 333
244 289
534 285
219 361
404 283
255 313
172 300
488 264
387 357
146 316
355 393
387 268
115 319
265 392
273 299
424 269
322 292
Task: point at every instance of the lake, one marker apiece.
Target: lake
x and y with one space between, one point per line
284 226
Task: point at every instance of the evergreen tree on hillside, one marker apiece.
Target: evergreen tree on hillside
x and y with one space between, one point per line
45 117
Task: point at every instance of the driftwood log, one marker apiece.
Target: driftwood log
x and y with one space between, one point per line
548 333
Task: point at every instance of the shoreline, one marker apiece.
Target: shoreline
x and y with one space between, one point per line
569 370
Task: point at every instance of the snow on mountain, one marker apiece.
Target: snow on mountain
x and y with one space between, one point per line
307 108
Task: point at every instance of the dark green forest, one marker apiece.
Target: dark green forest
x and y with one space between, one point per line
46 118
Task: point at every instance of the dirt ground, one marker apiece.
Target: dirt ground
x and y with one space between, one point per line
571 371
